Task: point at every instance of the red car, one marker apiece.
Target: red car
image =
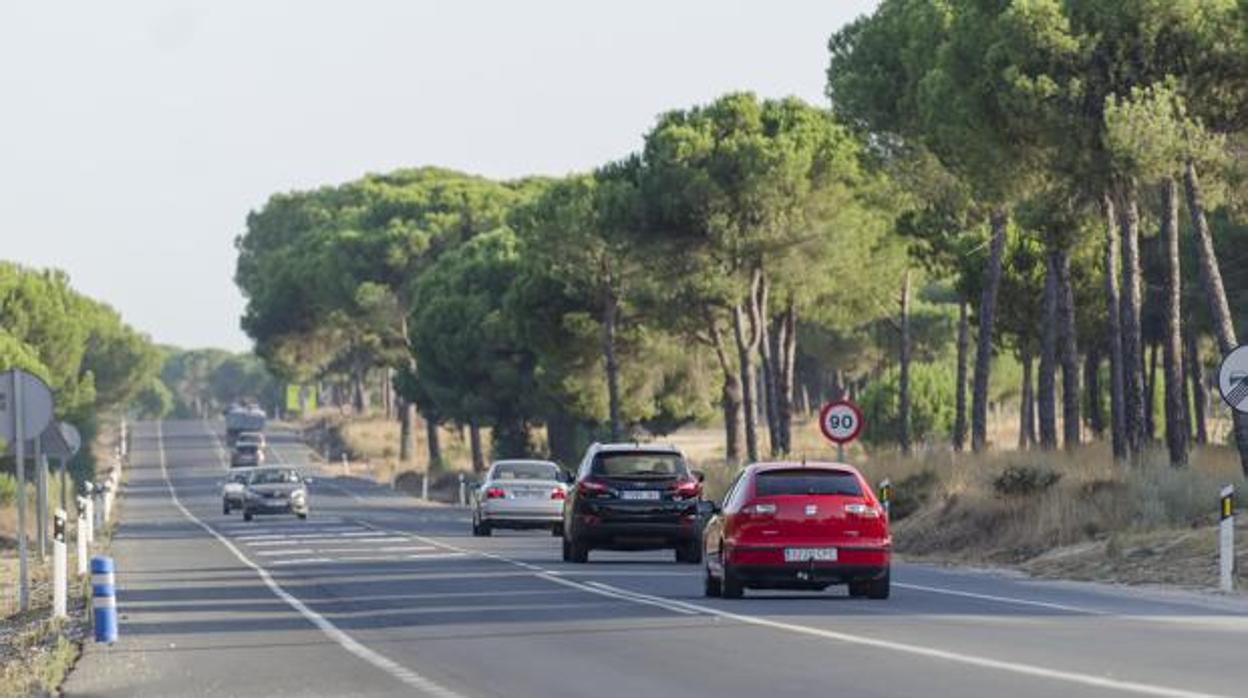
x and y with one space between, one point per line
798 526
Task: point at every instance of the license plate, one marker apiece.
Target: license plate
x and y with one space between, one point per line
639 494
808 554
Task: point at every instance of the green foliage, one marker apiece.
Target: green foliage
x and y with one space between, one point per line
154 401
1024 480
202 382
931 404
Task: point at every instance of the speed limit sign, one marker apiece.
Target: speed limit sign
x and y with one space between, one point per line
840 421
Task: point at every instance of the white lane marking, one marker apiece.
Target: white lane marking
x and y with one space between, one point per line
1004 599
386 549
348 643
323 541
301 561
901 647
296 536
373 558
275 553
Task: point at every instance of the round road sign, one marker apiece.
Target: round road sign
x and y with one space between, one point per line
1233 379
35 404
840 421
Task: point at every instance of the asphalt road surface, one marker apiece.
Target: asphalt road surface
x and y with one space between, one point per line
374 595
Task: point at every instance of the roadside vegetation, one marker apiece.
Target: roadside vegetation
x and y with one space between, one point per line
1009 213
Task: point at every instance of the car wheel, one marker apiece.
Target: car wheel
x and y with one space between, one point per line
878 588
689 553
567 551
578 552
225 508
712 586
248 516
731 586
557 530
858 588
303 516
476 527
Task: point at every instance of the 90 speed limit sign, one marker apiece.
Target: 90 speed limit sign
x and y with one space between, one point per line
840 421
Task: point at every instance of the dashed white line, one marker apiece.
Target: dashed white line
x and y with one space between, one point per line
348 643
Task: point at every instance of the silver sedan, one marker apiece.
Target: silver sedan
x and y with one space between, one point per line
520 494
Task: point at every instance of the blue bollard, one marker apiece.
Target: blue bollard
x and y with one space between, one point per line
104 598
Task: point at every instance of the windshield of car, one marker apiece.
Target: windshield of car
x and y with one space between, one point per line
640 464
526 471
246 449
807 481
274 477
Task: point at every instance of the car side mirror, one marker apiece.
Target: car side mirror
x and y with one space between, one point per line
701 476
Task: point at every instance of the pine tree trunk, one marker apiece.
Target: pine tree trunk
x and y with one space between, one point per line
903 382
1132 348
1046 397
745 331
1092 392
1177 423
1068 351
731 400
1027 406
611 306
788 364
1113 303
1215 293
474 440
406 413
768 352
1196 375
434 443
987 316
959 416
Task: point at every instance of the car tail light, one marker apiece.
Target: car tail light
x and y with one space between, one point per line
591 488
866 511
688 489
496 493
558 493
759 509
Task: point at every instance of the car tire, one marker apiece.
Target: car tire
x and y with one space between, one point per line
858 588
567 551
303 516
878 588
711 586
248 516
731 586
557 530
476 527
577 552
225 508
689 553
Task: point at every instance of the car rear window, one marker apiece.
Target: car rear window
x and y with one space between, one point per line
640 465
807 481
526 471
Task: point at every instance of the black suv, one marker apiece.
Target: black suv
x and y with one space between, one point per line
633 497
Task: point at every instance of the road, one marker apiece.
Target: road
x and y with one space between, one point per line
374 595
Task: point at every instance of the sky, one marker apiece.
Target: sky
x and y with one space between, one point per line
135 136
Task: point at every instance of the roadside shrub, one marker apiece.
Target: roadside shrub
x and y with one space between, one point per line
8 489
931 404
911 493
1024 480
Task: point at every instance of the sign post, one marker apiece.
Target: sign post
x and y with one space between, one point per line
841 422
1226 539
25 410
60 572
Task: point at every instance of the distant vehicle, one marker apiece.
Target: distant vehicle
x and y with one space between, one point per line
798 526
239 419
246 455
275 490
233 489
520 494
633 497
251 438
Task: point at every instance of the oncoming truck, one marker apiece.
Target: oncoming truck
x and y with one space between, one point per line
239 419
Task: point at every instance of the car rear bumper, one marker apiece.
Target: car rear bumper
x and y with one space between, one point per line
521 519
275 506
799 575
638 535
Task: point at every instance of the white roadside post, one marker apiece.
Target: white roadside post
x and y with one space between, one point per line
60 572
463 495
424 485
1226 539
80 535
346 464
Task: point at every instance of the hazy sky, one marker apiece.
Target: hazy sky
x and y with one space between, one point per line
135 136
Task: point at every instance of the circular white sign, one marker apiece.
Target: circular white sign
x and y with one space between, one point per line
840 421
1233 379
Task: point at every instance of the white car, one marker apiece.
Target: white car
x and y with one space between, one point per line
520 494
234 489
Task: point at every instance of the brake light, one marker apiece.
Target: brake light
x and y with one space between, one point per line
866 511
759 509
591 488
496 493
688 489
558 493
